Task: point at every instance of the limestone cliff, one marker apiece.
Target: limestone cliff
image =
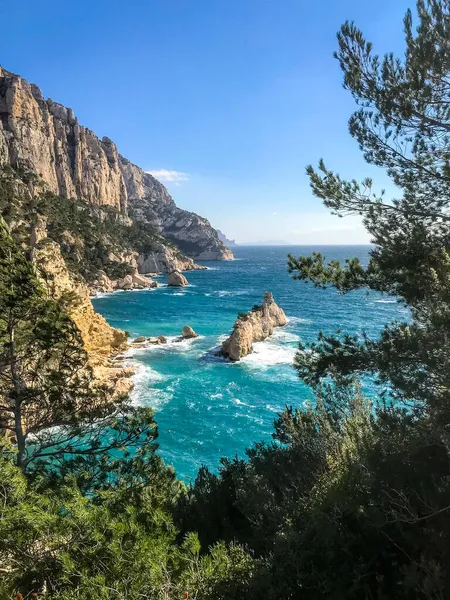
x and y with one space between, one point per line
254 326
99 338
45 137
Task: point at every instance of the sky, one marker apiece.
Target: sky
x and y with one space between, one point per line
226 101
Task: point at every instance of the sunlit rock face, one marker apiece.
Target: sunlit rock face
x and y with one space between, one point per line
45 137
254 326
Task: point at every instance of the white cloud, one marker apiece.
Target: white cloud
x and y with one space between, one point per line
167 175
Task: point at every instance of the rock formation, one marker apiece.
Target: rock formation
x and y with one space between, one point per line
223 238
254 326
188 333
45 137
99 338
177 279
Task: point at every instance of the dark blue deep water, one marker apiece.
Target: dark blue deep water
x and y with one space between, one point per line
206 407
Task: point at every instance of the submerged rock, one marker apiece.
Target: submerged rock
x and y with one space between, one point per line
176 279
188 333
254 326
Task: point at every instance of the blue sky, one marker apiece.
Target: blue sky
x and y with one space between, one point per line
234 96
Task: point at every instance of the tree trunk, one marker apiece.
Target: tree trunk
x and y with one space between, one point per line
17 403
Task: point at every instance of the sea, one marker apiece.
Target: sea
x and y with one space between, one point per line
207 407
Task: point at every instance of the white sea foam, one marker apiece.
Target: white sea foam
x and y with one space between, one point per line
293 320
274 409
143 393
265 354
238 402
281 335
226 293
386 301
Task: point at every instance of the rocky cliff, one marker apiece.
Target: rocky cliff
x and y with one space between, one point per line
254 326
45 137
100 340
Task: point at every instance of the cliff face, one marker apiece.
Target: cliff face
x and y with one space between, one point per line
46 138
254 326
99 338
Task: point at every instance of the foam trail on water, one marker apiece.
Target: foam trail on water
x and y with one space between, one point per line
266 354
142 392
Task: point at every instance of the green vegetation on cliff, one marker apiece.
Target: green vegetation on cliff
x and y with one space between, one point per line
91 238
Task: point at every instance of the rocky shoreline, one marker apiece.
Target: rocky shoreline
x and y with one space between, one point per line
253 326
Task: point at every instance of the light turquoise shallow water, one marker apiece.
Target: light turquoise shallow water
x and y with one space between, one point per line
207 407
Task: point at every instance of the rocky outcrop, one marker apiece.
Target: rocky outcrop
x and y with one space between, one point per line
188 333
99 338
130 282
45 137
223 238
164 259
254 326
176 279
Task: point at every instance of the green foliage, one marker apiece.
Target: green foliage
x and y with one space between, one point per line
352 500
90 237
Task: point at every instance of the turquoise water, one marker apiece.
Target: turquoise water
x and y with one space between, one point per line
207 407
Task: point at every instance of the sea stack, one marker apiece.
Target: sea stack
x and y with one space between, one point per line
253 326
176 279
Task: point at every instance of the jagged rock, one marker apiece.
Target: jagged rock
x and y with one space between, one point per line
188 333
123 387
99 338
176 279
141 282
164 259
254 326
45 137
139 339
162 339
103 283
126 283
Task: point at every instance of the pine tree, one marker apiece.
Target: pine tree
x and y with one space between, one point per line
50 404
403 125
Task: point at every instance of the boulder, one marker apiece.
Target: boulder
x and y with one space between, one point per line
254 326
139 339
126 283
141 282
176 279
188 333
162 339
104 283
153 340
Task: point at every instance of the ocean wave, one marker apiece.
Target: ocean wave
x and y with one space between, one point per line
294 320
266 354
239 402
386 301
143 393
274 409
227 293
282 335
174 344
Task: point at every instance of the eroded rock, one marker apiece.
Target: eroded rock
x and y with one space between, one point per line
188 333
177 279
254 326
